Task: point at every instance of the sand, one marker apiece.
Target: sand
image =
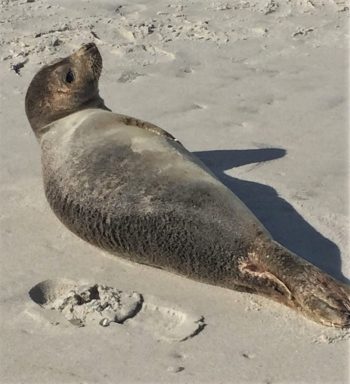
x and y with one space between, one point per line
258 91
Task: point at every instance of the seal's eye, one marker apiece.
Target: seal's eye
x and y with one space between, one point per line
70 76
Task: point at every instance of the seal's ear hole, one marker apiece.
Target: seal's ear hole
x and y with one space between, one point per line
70 77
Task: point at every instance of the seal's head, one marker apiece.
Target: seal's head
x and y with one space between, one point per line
66 86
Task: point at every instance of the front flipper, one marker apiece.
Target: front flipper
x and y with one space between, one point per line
258 280
148 126
279 274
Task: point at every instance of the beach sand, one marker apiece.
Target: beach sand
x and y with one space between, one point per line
259 92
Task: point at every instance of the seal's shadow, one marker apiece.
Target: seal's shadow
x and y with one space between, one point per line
284 223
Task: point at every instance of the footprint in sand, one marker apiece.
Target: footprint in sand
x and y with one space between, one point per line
90 304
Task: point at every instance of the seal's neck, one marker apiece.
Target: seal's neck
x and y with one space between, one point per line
39 124
97 102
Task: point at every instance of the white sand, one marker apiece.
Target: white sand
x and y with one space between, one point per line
240 83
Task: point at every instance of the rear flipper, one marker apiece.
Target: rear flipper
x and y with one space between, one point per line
279 274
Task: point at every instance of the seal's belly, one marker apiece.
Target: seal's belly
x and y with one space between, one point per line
129 190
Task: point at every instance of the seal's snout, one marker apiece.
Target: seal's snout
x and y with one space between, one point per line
89 46
90 56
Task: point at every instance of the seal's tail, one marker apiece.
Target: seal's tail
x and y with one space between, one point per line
278 273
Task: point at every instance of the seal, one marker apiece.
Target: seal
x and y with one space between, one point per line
130 188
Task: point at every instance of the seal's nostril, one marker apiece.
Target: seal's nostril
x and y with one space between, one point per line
89 46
